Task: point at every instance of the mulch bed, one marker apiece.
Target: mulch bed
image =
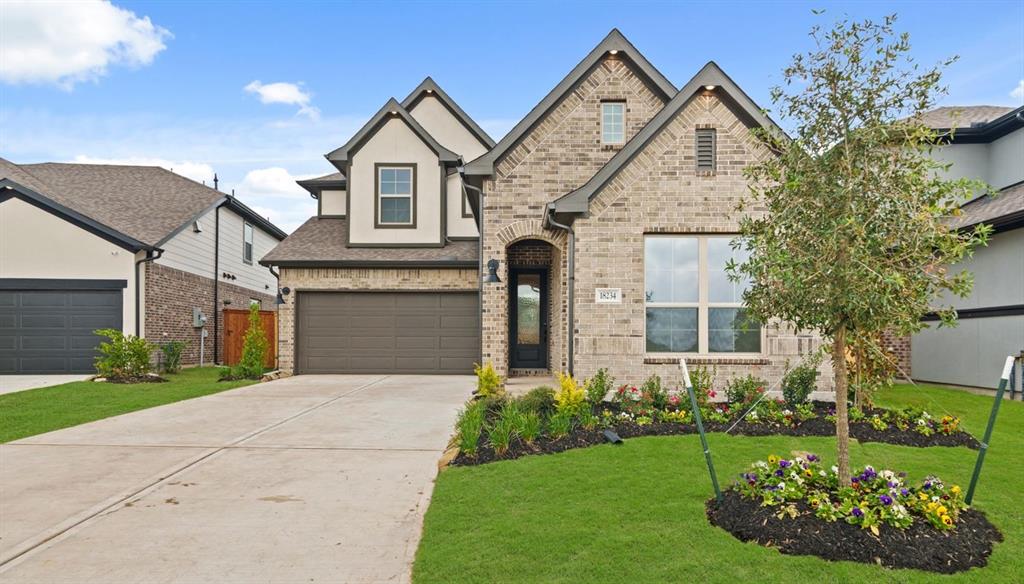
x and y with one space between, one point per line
581 438
136 379
920 546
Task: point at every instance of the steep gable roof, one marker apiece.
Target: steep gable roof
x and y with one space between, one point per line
429 88
711 74
614 42
391 110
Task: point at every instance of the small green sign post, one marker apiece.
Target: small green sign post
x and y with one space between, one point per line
700 429
1007 372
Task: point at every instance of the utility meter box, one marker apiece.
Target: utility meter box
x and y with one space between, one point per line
198 318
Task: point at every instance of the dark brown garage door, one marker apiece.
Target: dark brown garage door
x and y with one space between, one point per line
51 331
387 332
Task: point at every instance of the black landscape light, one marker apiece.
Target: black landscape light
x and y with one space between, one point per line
612 437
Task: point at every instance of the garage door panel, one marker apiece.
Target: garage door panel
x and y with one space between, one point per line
387 332
51 331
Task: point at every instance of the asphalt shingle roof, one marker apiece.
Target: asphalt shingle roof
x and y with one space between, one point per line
323 240
989 209
962 116
146 203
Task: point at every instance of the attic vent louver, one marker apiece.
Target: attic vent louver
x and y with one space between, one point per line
705 150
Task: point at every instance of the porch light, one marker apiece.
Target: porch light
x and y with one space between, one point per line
492 272
613 52
709 87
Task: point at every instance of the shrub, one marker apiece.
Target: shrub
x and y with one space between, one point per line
254 348
172 351
654 391
528 426
540 400
469 427
702 380
744 390
570 397
560 424
488 382
122 355
799 382
599 386
503 431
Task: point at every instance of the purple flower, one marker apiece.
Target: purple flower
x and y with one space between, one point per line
779 473
927 485
854 479
892 485
784 463
904 492
857 512
885 499
812 458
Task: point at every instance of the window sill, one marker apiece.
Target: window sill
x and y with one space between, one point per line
707 360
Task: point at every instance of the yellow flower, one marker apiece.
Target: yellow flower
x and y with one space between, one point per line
772 459
947 520
955 490
931 506
809 473
941 510
923 496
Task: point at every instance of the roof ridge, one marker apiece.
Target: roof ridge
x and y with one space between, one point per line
430 87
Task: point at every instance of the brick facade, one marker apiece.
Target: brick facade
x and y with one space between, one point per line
659 191
342 279
171 295
898 347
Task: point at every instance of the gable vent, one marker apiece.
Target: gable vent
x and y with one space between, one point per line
705 150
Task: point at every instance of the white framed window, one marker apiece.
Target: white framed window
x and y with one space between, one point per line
396 196
247 234
691 305
613 122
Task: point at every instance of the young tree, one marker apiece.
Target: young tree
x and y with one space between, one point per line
855 238
254 346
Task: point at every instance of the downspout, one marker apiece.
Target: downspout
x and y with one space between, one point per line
216 284
479 261
277 319
150 256
549 219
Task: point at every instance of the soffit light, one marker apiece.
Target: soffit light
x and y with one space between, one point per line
613 52
710 87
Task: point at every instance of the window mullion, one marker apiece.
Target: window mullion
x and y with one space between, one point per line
702 295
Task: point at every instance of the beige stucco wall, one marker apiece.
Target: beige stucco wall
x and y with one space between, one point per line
446 128
395 143
342 279
458 226
332 202
37 244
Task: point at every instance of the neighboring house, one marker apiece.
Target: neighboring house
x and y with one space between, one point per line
135 248
987 143
606 215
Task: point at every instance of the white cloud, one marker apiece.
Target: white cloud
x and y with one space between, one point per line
286 93
69 42
274 193
1018 92
197 171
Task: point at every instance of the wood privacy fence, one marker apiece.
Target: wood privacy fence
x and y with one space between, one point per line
236 322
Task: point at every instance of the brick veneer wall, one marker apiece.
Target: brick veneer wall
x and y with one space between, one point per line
340 279
899 346
659 191
558 155
170 297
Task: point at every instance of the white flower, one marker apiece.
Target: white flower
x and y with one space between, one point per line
835 468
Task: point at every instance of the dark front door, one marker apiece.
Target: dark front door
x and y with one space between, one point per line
528 322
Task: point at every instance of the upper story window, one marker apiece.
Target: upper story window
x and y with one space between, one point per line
247 234
692 306
706 146
396 194
613 122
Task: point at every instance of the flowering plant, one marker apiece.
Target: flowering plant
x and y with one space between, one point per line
634 400
875 497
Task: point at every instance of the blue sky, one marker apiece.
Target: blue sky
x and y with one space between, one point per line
172 90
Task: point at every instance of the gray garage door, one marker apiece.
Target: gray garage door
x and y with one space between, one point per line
51 331
387 332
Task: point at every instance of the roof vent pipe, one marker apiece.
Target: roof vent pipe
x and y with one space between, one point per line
215 182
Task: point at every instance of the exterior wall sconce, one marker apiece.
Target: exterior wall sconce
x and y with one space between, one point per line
492 272
281 294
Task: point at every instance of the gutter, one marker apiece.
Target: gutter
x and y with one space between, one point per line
550 221
151 254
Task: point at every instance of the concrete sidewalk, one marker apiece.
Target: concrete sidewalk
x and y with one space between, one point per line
306 479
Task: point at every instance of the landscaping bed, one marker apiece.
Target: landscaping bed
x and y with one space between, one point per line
610 416
918 546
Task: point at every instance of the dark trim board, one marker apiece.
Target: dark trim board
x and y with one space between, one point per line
374 264
60 284
988 312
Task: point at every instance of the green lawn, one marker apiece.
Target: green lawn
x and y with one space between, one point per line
635 513
35 411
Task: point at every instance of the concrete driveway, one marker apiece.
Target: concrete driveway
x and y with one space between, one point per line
13 383
306 479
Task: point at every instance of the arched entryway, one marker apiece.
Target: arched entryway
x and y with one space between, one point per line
532 306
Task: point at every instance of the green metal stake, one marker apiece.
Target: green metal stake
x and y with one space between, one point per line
700 430
1007 371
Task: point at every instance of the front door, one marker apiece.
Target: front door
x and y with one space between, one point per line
528 322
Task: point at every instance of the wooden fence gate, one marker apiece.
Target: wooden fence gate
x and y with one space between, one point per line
236 322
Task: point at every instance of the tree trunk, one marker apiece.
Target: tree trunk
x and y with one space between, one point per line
842 419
